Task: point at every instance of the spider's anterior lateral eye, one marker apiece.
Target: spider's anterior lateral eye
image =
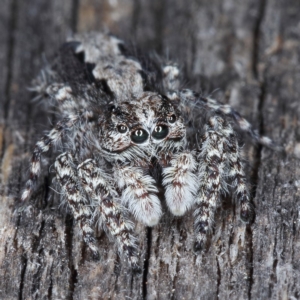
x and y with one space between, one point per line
160 132
139 136
122 128
172 119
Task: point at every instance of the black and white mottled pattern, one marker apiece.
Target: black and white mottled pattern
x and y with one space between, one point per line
129 131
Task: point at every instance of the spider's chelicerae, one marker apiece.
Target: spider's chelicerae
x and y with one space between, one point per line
127 129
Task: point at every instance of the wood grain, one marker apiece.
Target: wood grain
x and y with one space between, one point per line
245 53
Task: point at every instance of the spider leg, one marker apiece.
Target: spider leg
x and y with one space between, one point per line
42 146
171 77
66 175
180 183
71 100
97 186
242 123
237 177
139 194
193 100
62 94
211 173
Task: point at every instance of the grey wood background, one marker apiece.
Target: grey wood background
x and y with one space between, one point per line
242 52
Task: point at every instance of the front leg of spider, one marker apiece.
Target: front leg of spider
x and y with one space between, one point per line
211 176
67 176
111 214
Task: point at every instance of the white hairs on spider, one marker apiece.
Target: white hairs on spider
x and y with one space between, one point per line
128 131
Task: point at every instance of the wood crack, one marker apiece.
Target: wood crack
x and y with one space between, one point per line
257 163
146 264
9 55
74 15
257 36
69 245
23 271
219 274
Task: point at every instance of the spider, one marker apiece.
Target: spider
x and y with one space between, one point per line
126 130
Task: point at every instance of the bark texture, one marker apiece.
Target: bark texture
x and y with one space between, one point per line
245 53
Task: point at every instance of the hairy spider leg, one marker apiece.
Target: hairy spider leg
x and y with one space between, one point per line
211 174
79 204
42 146
112 217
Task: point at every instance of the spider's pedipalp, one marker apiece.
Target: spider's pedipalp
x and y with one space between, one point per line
97 186
67 177
180 183
139 194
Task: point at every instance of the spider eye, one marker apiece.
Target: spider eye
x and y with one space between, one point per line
172 119
122 128
112 108
139 136
160 132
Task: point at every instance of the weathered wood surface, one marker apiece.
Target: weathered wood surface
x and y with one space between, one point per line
245 53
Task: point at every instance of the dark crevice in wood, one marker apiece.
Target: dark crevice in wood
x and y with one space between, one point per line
9 63
10 52
146 263
50 287
131 282
257 163
69 245
177 268
23 271
189 69
15 238
256 37
74 15
159 13
47 184
135 17
249 236
255 181
37 240
273 276
219 274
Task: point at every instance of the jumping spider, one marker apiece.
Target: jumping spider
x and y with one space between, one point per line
122 116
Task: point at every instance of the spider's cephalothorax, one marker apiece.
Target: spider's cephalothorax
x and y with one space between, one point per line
119 114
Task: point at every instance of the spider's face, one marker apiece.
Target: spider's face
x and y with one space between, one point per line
135 128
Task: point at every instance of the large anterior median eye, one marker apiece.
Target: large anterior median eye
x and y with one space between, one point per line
139 136
160 132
